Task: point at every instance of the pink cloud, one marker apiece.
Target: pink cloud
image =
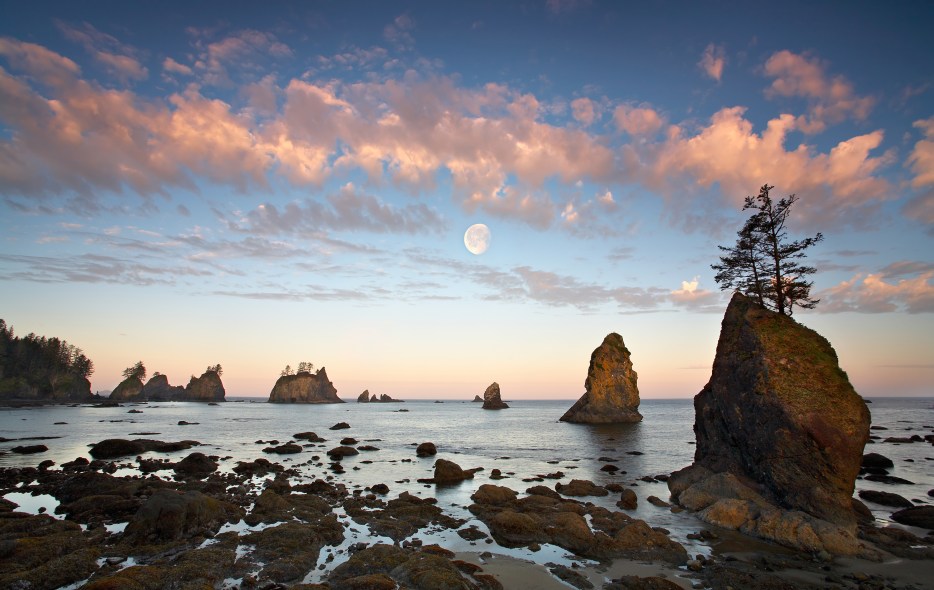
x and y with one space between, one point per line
870 293
831 100
921 159
123 66
172 66
240 50
637 120
728 152
713 61
583 111
47 66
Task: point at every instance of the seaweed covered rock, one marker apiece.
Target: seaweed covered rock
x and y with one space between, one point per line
780 435
612 395
305 388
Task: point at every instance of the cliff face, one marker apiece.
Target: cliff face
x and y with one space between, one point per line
611 391
780 435
130 389
158 389
305 388
207 388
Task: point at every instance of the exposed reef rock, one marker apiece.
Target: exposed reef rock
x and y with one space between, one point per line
130 389
305 388
780 436
611 392
158 389
365 398
491 398
207 388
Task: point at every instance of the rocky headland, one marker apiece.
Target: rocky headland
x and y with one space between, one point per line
612 395
780 436
305 388
492 399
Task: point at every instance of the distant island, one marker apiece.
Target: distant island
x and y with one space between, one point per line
304 387
206 388
36 369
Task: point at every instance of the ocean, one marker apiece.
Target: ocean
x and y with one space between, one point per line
523 442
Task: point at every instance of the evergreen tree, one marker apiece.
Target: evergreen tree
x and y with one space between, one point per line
137 371
764 263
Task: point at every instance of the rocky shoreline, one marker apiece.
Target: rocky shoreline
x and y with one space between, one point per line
153 513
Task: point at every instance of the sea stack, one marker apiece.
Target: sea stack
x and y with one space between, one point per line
158 389
491 398
780 435
130 389
612 395
305 388
364 398
206 388
477 398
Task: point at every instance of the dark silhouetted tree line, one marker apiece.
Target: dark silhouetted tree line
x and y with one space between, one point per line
36 366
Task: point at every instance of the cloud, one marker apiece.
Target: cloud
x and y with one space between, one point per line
871 293
118 58
692 297
637 121
584 111
921 208
173 67
243 50
729 153
921 159
712 61
831 100
399 32
347 210
501 148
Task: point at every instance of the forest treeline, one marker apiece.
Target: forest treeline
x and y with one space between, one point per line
34 366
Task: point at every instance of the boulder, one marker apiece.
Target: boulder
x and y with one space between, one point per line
158 389
612 395
876 461
426 449
491 398
130 389
196 465
780 435
447 472
364 397
919 516
885 499
207 388
305 388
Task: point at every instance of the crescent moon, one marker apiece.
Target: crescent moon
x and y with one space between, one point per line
477 238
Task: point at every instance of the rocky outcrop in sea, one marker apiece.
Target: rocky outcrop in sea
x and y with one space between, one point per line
206 388
491 398
130 389
780 436
365 398
611 392
305 388
158 389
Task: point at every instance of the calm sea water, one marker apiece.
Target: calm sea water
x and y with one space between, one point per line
523 441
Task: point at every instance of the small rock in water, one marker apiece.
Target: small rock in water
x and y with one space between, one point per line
426 449
340 426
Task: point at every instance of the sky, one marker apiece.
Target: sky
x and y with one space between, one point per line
261 184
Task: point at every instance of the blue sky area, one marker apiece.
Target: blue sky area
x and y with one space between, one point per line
258 185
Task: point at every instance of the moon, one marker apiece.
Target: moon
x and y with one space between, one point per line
477 238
